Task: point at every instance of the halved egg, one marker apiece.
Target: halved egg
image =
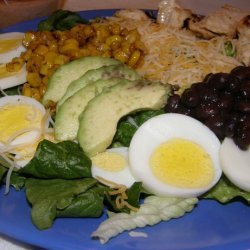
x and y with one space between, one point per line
10 46
23 122
175 155
11 79
112 165
235 164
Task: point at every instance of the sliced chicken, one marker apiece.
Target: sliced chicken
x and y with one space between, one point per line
221 22
172 14
243 45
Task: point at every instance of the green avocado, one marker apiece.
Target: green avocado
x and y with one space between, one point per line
66 122
99 120
69 72
104 72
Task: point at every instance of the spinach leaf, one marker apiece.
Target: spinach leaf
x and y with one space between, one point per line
49 196
224 191
128 126
17 181
125 132
133 194
61 20
143 116
88 204
64 160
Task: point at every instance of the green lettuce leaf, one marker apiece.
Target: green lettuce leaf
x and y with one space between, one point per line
64 160
152 211
224 191
50 198
61 20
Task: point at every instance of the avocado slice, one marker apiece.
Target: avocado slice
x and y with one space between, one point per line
68 72
99 120
104 72
66 122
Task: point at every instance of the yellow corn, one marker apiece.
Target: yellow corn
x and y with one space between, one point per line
121 56
134 58
114 38
34 79
26 91
41 50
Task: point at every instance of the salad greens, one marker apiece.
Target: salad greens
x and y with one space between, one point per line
152 211
128 126
224 191
50 198
133 193
64 160
61 20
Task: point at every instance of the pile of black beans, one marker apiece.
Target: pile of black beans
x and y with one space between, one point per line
221 101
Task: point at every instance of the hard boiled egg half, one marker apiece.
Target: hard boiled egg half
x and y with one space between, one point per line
112 165
235 164
23 122
10 47
175 155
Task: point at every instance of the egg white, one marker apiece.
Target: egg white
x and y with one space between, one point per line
235 164
15 79
7 56
28 137
160 129
123 177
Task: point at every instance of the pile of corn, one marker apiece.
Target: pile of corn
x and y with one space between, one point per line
46 51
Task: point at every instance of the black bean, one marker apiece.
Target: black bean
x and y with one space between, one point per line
241 72
218 81
242 139
216 124
183 110
243 106
207 77
209 95
206 110
233 85
226 102
172 103
245 89
190 97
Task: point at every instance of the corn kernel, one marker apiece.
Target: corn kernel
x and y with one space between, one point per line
134 58
33 79
41 50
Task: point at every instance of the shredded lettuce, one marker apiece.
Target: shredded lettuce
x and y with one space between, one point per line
152 211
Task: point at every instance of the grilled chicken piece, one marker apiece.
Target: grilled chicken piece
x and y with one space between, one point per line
171 13
221 22
243 45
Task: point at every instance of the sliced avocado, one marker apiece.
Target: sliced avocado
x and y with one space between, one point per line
69 72
99 120
104 72
66 122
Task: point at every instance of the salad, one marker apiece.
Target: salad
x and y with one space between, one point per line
97 127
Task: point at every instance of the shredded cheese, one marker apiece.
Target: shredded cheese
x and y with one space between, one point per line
177 56
120 191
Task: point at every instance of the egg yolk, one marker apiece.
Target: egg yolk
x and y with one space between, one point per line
109 161
17 118
4 73
9 44
182 163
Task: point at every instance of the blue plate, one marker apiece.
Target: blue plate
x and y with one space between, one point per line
210 226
